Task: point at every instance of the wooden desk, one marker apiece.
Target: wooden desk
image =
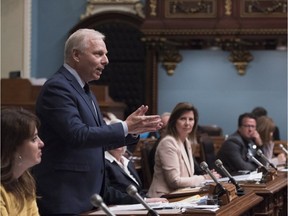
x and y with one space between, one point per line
274 195
240 206
244 205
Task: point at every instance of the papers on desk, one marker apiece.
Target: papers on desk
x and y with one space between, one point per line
253 176
282 169
162 208
187 203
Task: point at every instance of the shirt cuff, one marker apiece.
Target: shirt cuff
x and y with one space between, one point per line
125 128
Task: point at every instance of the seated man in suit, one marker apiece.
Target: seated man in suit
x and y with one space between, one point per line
120 173
233 152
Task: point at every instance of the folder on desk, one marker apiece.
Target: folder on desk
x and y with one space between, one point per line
184 192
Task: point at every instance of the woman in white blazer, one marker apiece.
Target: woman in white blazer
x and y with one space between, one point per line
174 165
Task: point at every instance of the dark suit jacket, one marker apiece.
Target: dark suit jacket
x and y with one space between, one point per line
117 179
72 167
233 154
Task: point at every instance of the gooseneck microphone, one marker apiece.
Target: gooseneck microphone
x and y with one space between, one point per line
219 189
283 149
132 191
260 153
97 201
219 164
251 157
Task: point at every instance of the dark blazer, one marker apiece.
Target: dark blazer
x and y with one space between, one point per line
117 179
233 154
72 167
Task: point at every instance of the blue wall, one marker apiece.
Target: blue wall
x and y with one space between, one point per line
204 78
209 81
51 22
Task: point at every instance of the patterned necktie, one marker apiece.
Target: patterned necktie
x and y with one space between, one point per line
88 92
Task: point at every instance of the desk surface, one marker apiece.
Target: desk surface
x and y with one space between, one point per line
252 200
239 206
273 186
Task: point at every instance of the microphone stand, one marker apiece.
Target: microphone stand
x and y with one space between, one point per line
219 190
239 190
152 213
132 191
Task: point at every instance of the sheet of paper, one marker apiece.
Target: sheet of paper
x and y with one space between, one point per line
253 176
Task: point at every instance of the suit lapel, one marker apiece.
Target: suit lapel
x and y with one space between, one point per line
82 93
134 173
125 174
185 158
99 115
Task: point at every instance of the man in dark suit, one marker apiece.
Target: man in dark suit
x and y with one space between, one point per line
73 130
120 173
233 152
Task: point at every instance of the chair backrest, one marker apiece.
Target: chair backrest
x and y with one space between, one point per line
146 166
207 151
217 141
211 130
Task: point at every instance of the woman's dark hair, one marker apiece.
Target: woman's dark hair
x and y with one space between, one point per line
17 125
179 109
259 111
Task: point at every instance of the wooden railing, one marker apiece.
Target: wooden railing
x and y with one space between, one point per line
22 93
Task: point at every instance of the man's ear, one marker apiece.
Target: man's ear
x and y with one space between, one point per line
75 55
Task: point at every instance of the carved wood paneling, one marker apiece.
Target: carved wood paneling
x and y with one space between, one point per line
190 9
263 8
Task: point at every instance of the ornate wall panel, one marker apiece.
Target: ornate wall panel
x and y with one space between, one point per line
190 9
263 8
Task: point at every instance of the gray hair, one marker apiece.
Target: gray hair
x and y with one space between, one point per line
78 40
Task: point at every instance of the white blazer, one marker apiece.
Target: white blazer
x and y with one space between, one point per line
173 168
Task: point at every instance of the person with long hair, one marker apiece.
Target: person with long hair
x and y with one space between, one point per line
174 163
266 128
20 150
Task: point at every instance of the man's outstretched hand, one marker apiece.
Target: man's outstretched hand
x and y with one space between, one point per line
138 122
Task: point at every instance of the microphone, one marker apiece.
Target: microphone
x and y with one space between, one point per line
132 191
97 201
260 153
219 189
251 157
283 149
219 164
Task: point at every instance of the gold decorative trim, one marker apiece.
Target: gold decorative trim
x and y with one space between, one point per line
170 57
240 59
263 8
190 9
228 7
153 7
93 7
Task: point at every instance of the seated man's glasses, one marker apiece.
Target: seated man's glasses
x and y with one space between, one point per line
249 126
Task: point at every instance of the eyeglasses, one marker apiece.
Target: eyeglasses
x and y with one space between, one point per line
249 126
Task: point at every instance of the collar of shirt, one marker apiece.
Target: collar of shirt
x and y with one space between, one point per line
111 158
75 74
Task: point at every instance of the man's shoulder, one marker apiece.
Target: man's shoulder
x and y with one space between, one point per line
60 75
235 138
